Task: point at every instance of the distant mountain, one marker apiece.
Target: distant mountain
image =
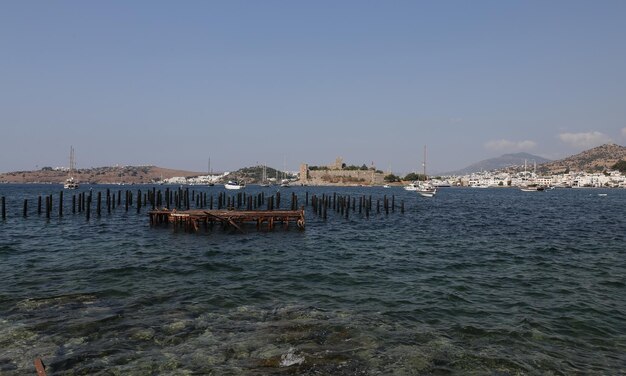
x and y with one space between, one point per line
502 162
593 160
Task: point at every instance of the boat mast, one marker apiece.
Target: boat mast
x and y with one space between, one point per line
71 172
424 163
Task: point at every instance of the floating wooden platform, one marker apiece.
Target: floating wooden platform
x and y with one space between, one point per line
192 220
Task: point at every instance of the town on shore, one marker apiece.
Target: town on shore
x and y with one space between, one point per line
603 166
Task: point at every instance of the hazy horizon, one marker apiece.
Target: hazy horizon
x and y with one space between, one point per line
282 83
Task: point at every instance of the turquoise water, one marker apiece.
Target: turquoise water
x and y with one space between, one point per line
474 281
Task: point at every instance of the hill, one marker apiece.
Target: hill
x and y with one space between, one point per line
98 175
501 162
598 159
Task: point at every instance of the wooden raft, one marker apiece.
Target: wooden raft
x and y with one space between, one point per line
192 220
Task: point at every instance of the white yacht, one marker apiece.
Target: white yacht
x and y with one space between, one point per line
232 184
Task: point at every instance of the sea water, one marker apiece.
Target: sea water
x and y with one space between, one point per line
472 281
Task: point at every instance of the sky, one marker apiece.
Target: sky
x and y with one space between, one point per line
243 83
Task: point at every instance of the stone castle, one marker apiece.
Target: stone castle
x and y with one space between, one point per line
337 174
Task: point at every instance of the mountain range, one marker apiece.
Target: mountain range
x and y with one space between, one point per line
505 161
598 159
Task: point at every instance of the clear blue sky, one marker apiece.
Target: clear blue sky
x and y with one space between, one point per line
246 82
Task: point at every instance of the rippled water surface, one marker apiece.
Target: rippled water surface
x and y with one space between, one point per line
489 281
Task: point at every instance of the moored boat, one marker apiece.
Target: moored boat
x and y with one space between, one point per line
233 184
70 183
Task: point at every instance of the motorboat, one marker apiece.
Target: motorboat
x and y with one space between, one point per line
233 184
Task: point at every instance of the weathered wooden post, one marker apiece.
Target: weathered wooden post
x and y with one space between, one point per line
88 208
119 197
138 201
48 207
25 208
108 201
39 205
4 208
99 205
187 198
277 200
126 201
306 198
60 204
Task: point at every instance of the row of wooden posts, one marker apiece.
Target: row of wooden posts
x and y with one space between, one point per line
184 199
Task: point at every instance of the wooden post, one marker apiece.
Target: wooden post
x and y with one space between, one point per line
60 204
39 205
138 201
4 208
25 208
126 203
99 205
48 207
73 204
88 208
108 201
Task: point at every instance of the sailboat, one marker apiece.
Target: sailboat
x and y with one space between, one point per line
70 183
264 181
210 184
425 188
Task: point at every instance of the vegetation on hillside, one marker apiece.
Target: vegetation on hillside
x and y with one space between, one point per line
620 166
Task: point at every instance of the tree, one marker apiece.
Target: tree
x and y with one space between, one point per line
413 176
391 178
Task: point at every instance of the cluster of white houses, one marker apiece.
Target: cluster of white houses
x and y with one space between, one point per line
610 179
